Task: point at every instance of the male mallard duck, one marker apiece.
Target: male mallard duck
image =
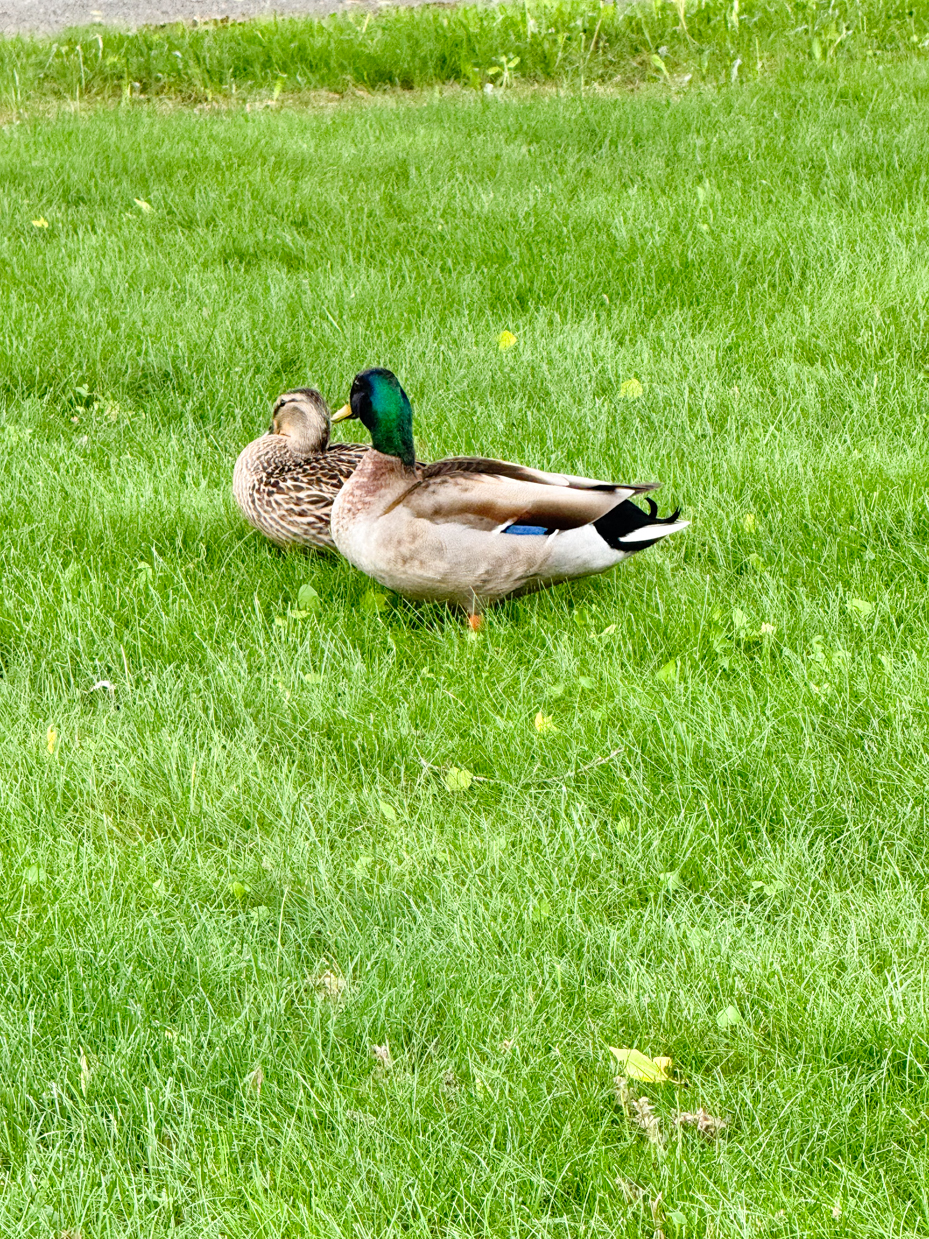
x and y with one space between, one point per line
447 531
285 481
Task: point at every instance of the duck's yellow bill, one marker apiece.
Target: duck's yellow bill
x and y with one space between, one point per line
343 414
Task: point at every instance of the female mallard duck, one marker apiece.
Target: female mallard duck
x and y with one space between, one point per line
285 481
446 531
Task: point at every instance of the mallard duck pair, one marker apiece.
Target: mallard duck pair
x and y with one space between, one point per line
468 530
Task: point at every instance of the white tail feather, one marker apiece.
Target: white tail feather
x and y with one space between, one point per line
648 533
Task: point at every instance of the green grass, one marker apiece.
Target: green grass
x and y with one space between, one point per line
574 43
262 798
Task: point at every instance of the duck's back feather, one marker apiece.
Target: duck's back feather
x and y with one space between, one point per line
522 473
492 494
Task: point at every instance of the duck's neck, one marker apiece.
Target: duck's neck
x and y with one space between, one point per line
306 445
392 429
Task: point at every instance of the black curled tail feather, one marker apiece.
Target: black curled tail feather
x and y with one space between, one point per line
625 518
654 518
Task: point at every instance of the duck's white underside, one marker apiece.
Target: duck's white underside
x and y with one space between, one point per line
465 566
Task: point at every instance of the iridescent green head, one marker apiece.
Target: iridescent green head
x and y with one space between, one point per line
381 404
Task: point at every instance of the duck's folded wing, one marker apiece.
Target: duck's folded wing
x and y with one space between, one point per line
522 473
493 501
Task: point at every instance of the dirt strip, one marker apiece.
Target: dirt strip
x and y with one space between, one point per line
50 16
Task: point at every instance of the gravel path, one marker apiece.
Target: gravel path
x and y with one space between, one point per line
49 16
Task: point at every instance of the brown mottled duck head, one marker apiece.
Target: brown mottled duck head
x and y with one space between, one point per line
302 417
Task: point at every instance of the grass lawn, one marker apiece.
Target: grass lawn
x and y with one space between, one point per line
697 818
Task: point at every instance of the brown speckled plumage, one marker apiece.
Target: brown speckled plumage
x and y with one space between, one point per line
285 482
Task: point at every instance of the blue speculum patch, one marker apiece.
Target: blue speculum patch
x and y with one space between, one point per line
530 529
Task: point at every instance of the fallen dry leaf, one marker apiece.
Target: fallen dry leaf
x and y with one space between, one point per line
632 1193
451 1085
382 1054
360 1116
331 985
707 1125
644 1116
256 1079
655 1206
85 1073
639 1110
623 1093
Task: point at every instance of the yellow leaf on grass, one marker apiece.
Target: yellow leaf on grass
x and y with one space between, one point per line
668 673
660 64
143 205
631 389
308 599
51 737
544 722
506 340
729 1017
748 522
41 222
457 779
860 606
638 1065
